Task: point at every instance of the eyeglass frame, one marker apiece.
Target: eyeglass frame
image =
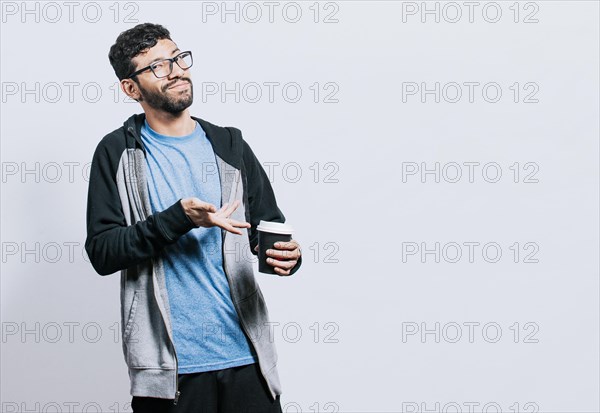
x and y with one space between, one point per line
171 60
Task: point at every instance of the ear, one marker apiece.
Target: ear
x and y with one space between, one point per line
131 89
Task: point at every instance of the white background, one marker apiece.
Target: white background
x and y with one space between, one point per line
359 216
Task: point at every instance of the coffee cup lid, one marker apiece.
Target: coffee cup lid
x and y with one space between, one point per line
274 227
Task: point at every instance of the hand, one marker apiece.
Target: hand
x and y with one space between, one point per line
284 257
206 215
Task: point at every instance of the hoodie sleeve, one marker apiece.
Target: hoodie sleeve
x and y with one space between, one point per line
111 244
261 198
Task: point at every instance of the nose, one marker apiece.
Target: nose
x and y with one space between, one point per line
177 71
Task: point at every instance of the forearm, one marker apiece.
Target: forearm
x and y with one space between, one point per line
116 247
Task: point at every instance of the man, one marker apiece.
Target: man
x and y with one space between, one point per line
173 203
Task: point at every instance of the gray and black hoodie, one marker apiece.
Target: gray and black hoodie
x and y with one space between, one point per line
124 235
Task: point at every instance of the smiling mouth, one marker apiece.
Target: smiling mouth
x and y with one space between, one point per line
180 85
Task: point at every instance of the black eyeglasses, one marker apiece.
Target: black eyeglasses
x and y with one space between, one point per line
163 68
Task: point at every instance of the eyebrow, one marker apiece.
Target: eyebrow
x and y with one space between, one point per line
162 58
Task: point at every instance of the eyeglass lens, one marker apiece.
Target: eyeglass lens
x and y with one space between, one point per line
164 68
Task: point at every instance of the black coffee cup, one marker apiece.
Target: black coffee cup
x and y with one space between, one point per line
268 234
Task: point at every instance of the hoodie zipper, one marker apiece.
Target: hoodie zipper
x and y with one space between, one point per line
177 391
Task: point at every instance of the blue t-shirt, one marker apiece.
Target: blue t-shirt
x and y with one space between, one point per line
206 328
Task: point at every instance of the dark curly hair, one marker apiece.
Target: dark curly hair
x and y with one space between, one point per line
131 43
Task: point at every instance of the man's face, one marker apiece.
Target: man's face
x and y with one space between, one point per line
171 94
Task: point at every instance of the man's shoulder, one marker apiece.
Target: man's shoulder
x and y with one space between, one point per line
112 144
226 133
114 136
227 141
116 140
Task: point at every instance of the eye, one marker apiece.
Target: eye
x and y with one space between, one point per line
158 65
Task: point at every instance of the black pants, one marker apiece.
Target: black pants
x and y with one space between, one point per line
234 390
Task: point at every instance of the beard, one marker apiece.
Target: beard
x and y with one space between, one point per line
169 101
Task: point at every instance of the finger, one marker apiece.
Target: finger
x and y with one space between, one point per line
231 229
280 271
283 254
256 248
239 224
231 224
291 245
224 211
286 265
229 208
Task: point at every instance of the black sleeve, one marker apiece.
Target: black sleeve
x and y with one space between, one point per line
111 244
261 198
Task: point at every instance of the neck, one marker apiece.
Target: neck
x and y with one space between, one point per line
169 124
